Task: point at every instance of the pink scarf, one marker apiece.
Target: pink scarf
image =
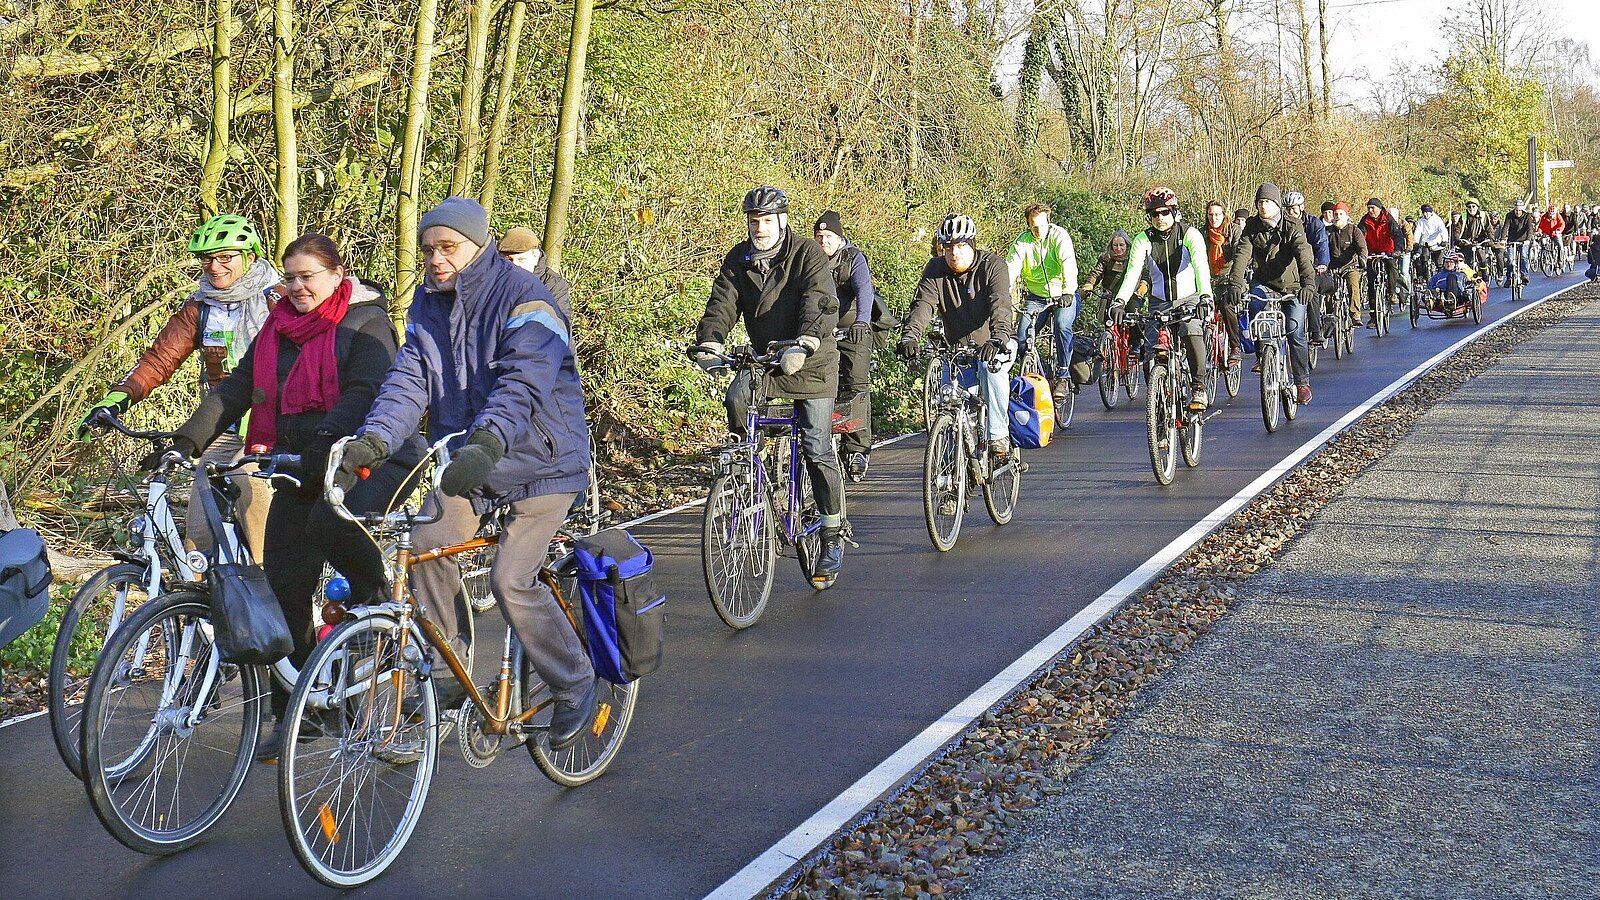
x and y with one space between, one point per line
313 382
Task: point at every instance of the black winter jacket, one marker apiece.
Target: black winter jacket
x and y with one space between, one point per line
1279 254
975 305
795 299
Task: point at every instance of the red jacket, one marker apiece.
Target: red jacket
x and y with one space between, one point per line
1550 224
1379 233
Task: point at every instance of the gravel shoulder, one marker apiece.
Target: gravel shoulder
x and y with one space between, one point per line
1398 701
1403 705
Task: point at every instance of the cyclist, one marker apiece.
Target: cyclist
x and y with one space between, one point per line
1476 233
1347 254
853 283
1593 252
1408 227
1551 224
1042 256
1174 260
489 353
1219 250
1520 229
1329 214
307 380
1383 234
237 290
970 291
1107 274
779 284
1317 235
523 248
1275 253
1432 236
1453 282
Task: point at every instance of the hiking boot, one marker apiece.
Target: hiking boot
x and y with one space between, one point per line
1198 399
855 467
1302 394
570 721
1257 367
999 452
1059 388
831 558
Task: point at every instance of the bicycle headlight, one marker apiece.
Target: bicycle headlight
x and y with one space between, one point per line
137 526
197 562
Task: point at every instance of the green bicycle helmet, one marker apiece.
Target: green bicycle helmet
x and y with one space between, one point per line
227 233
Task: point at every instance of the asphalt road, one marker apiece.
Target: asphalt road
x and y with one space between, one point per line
741 736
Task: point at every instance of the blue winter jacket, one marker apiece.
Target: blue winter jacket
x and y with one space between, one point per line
1317 237
494 353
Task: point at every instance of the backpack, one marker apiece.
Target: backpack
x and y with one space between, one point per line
1033 412
624 614
25 579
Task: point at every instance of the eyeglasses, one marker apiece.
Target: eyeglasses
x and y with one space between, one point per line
301 277
227 258
443 248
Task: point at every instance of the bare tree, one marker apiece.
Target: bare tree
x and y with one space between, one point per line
469 136
288 161
1515 34
406 264
221 106
510 57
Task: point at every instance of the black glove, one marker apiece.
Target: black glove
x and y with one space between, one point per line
365 452
991 350
181 443
314 459
1115 313
470 468
908 348
859 332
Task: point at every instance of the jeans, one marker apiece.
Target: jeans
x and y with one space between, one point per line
816 442
1294 312
1066 316
541 625
1404 281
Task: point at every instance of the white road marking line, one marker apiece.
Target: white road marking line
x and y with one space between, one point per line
757 876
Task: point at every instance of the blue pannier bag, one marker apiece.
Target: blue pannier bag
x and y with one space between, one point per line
624 614
24 582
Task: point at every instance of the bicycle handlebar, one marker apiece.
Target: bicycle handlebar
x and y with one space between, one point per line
335 494
745 355
105 417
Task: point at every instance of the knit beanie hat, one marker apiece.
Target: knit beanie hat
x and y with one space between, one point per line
1329 206
1374 201
459 214
1269 191
829 221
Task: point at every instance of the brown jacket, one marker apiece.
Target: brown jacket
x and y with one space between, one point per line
179 338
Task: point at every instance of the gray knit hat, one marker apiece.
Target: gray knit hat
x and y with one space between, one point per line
459 214
1269 191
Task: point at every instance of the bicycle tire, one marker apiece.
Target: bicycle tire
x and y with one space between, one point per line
1064 420
944 482
932 376
1002 490
1159 426
1334 317
740 581
168 625
1477 306
65 686
359 739
808 545
1416 311
1270 389
1131 375
1110 371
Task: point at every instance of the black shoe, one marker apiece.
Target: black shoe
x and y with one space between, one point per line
831 558
855 467
568 723
268 749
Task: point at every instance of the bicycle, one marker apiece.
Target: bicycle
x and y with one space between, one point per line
155 557
362 731
1379 291
759 497
1336 312
1549 256
1513 278
1269 329
1170 421
1117 369
957 458
1035 362
1224 367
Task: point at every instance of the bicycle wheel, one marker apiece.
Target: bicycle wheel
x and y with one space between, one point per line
1333 318
1190 425
1381 316
932 378
1348 331
169 731
100 605
1160 419
1291 405
1065 408
1270 387
587 759
808 546
357 763
944 481
1004 486
1110 372
1477 306
1416 310
1131 375
738 547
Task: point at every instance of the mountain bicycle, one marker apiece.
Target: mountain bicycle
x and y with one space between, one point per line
1269 329
1170 421
957 458
1379 291
362 726
761 497
1038 357
156 556
1548 256
1117 361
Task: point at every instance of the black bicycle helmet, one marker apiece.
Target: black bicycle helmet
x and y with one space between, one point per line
957 228
765 200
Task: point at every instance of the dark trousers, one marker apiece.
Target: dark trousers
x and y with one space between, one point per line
302 533
855 393
816 440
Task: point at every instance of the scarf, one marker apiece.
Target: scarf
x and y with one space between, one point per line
244 303
313 381
1216 238
761 260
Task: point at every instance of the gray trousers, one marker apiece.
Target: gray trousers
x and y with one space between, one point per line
552 647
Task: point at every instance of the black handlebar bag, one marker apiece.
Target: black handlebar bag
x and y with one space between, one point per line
25 579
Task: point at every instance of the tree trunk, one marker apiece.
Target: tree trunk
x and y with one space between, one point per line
502 106
555 223
1305 56
470 136
288 162
411 146
1322 53
221 107
913 106
1031 78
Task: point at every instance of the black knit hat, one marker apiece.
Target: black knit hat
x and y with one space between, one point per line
1269 191
1329 206
829 221
1374 201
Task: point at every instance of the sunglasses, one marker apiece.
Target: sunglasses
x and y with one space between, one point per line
1163 211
